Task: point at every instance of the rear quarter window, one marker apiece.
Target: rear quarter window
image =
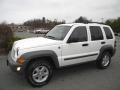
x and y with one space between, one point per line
108 33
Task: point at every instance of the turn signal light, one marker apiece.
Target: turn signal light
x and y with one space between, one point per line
20 60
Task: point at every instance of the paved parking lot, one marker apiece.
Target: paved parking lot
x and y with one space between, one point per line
27 34
81 77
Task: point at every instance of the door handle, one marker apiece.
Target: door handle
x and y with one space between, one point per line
103 42
85 44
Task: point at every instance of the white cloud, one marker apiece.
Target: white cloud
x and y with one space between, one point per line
19 11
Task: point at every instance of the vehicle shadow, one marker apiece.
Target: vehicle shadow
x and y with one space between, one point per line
74 70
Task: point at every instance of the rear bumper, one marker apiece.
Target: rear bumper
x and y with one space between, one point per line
14 66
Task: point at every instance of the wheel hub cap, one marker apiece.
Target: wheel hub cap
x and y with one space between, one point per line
40 74
106 60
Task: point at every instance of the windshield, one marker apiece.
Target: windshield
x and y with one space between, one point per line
58 32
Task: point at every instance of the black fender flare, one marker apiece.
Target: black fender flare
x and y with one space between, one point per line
106 48
43 53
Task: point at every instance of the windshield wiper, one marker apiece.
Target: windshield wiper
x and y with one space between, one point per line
52 37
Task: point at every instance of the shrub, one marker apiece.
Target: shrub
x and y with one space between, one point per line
10 43
6 35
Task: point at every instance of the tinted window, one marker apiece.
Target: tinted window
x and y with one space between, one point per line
79 34
96 33
108 33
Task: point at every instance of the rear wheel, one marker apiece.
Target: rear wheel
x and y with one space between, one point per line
39 73
104 61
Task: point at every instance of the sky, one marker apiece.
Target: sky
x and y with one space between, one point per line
19 11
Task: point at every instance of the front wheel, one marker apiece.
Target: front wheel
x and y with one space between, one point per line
39 73
104 61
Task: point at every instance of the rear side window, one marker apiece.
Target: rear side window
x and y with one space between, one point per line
108 33
80 34
96 33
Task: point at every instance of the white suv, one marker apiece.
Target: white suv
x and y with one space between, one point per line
64 45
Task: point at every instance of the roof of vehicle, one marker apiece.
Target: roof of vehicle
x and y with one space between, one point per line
93 24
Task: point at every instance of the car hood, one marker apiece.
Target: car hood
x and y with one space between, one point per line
35 42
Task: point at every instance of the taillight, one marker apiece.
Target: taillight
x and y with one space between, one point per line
115 44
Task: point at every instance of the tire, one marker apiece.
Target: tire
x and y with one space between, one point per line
38 70
104 61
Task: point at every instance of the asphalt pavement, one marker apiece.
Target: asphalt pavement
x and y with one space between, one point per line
26 34
81 77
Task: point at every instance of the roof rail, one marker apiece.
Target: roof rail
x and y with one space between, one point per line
89 23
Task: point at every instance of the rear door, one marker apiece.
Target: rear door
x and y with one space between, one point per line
97 39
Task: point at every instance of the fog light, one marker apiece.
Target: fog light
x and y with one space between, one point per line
18 68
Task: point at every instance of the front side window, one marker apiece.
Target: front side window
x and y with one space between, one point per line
96 33
79 34
108 33
58 32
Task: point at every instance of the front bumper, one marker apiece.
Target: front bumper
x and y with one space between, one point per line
13 65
